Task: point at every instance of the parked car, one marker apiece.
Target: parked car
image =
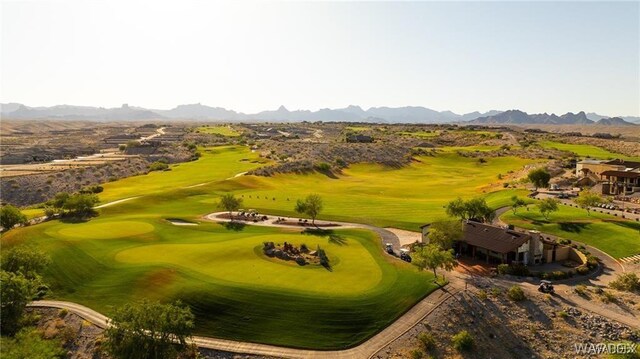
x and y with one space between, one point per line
404 255
389 248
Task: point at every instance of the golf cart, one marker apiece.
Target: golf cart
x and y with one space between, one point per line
546 287
389 248
404 255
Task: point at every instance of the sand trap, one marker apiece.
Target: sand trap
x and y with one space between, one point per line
180 222
406 237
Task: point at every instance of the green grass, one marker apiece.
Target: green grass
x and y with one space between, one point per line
235 291
586 150
368 193
226 131
131 252
420 134
618 237
476 148
216 163
358 128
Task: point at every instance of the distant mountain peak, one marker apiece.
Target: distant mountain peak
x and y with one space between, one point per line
282 109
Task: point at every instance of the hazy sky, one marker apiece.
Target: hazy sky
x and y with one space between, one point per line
538 57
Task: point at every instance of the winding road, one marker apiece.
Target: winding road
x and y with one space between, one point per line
457 283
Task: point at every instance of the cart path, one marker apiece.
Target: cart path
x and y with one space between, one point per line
365 350
386 236
116 202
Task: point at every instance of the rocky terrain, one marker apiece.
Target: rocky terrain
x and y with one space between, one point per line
539 327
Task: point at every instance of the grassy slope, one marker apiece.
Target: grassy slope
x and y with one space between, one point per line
235 291
586 150
217 163
368 193
617 237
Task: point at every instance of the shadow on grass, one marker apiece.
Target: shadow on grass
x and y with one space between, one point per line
318 232
337 239
333 237
74 220
572 226
624 223
234 226
539 222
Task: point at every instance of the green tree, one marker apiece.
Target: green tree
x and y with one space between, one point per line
149 330
81 205
28 343
475 208
548 205
539 177
311 206
16 292
588 199
444 233
230 203
457 209
24 260
433 257
20 282
10 216
59 200
517 202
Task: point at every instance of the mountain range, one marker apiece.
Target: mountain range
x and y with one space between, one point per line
517 117
408 114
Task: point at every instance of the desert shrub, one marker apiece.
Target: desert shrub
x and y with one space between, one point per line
495 291
503 269
416 354
608 297
462 341
482 294
592 261
516 294
63 312
581 289
517 270
300 261
562 314
67 335
158 166
323 167
427 341
583 269
556 275
627 281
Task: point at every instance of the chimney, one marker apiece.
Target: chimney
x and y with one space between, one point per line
535 246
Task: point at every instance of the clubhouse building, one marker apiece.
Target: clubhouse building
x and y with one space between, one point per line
497 245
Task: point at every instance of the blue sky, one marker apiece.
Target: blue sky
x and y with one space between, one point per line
251 56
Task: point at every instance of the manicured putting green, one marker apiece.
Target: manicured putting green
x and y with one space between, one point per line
235 291
353 270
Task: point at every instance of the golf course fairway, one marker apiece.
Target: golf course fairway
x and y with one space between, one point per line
131 251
